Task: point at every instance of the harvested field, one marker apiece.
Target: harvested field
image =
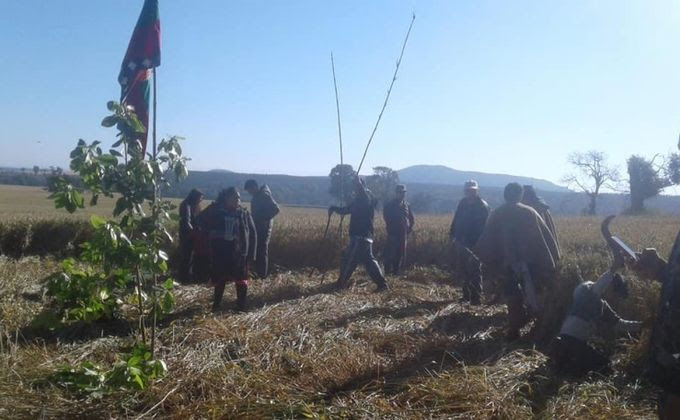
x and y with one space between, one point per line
305 351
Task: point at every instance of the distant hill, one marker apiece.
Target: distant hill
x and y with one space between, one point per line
443 175
425 197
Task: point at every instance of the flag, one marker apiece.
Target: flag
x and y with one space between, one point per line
143 54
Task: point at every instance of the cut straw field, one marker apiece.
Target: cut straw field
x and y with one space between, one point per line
305 351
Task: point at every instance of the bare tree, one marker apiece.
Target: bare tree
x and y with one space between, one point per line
591 174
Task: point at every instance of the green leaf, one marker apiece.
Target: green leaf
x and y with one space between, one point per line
110 121
97 221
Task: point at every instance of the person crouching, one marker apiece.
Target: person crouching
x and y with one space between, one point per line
233 241
572 351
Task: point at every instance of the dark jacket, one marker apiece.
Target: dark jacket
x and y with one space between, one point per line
469 221
398 217
543 209
187 219
665 340
362 211
264 208
214 221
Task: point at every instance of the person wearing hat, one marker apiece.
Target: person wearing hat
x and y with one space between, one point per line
468 224
572 351
399 223
189 209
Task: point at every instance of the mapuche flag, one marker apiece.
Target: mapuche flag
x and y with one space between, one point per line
143 54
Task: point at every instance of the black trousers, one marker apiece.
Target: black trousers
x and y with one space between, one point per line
186 248
469 267
395 248
360 251
262 256
575 357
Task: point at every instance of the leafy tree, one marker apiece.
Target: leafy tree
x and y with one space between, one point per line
646 181
36 169
591 174
342 183
383 182
125 263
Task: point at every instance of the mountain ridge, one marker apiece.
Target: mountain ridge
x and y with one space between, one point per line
444 175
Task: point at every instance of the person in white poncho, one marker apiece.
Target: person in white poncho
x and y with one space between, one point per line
573 353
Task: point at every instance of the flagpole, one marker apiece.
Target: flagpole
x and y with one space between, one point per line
154 112
156 197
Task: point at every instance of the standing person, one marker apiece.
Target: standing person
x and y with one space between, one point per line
399 223
517 244
189 209
263 208
233 242
466 227
664 344
531 199
360 249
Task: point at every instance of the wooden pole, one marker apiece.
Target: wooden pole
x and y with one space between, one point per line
387 97
156 197
154 113
342 160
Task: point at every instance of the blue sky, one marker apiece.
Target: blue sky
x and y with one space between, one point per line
493 86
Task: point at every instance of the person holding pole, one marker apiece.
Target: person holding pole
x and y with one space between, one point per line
399 223
360 249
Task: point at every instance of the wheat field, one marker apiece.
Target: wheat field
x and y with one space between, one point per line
304 351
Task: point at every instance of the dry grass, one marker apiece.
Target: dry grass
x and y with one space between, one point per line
303 351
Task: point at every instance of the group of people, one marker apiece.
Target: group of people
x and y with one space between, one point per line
514 246
221 243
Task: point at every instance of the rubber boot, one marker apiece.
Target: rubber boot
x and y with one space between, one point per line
241 297
466 293
517 317
382 287
217 298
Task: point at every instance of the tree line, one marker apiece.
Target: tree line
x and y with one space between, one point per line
647 178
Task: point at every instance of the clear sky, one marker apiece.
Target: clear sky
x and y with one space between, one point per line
495 86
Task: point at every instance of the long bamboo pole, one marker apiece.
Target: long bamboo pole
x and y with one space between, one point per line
342 160
389 91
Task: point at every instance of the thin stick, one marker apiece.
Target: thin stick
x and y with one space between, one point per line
158 403
389 91
337 108
342 160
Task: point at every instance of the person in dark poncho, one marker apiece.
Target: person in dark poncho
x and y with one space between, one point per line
399 223
233 242
360 249
664 344
531 199
188 212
